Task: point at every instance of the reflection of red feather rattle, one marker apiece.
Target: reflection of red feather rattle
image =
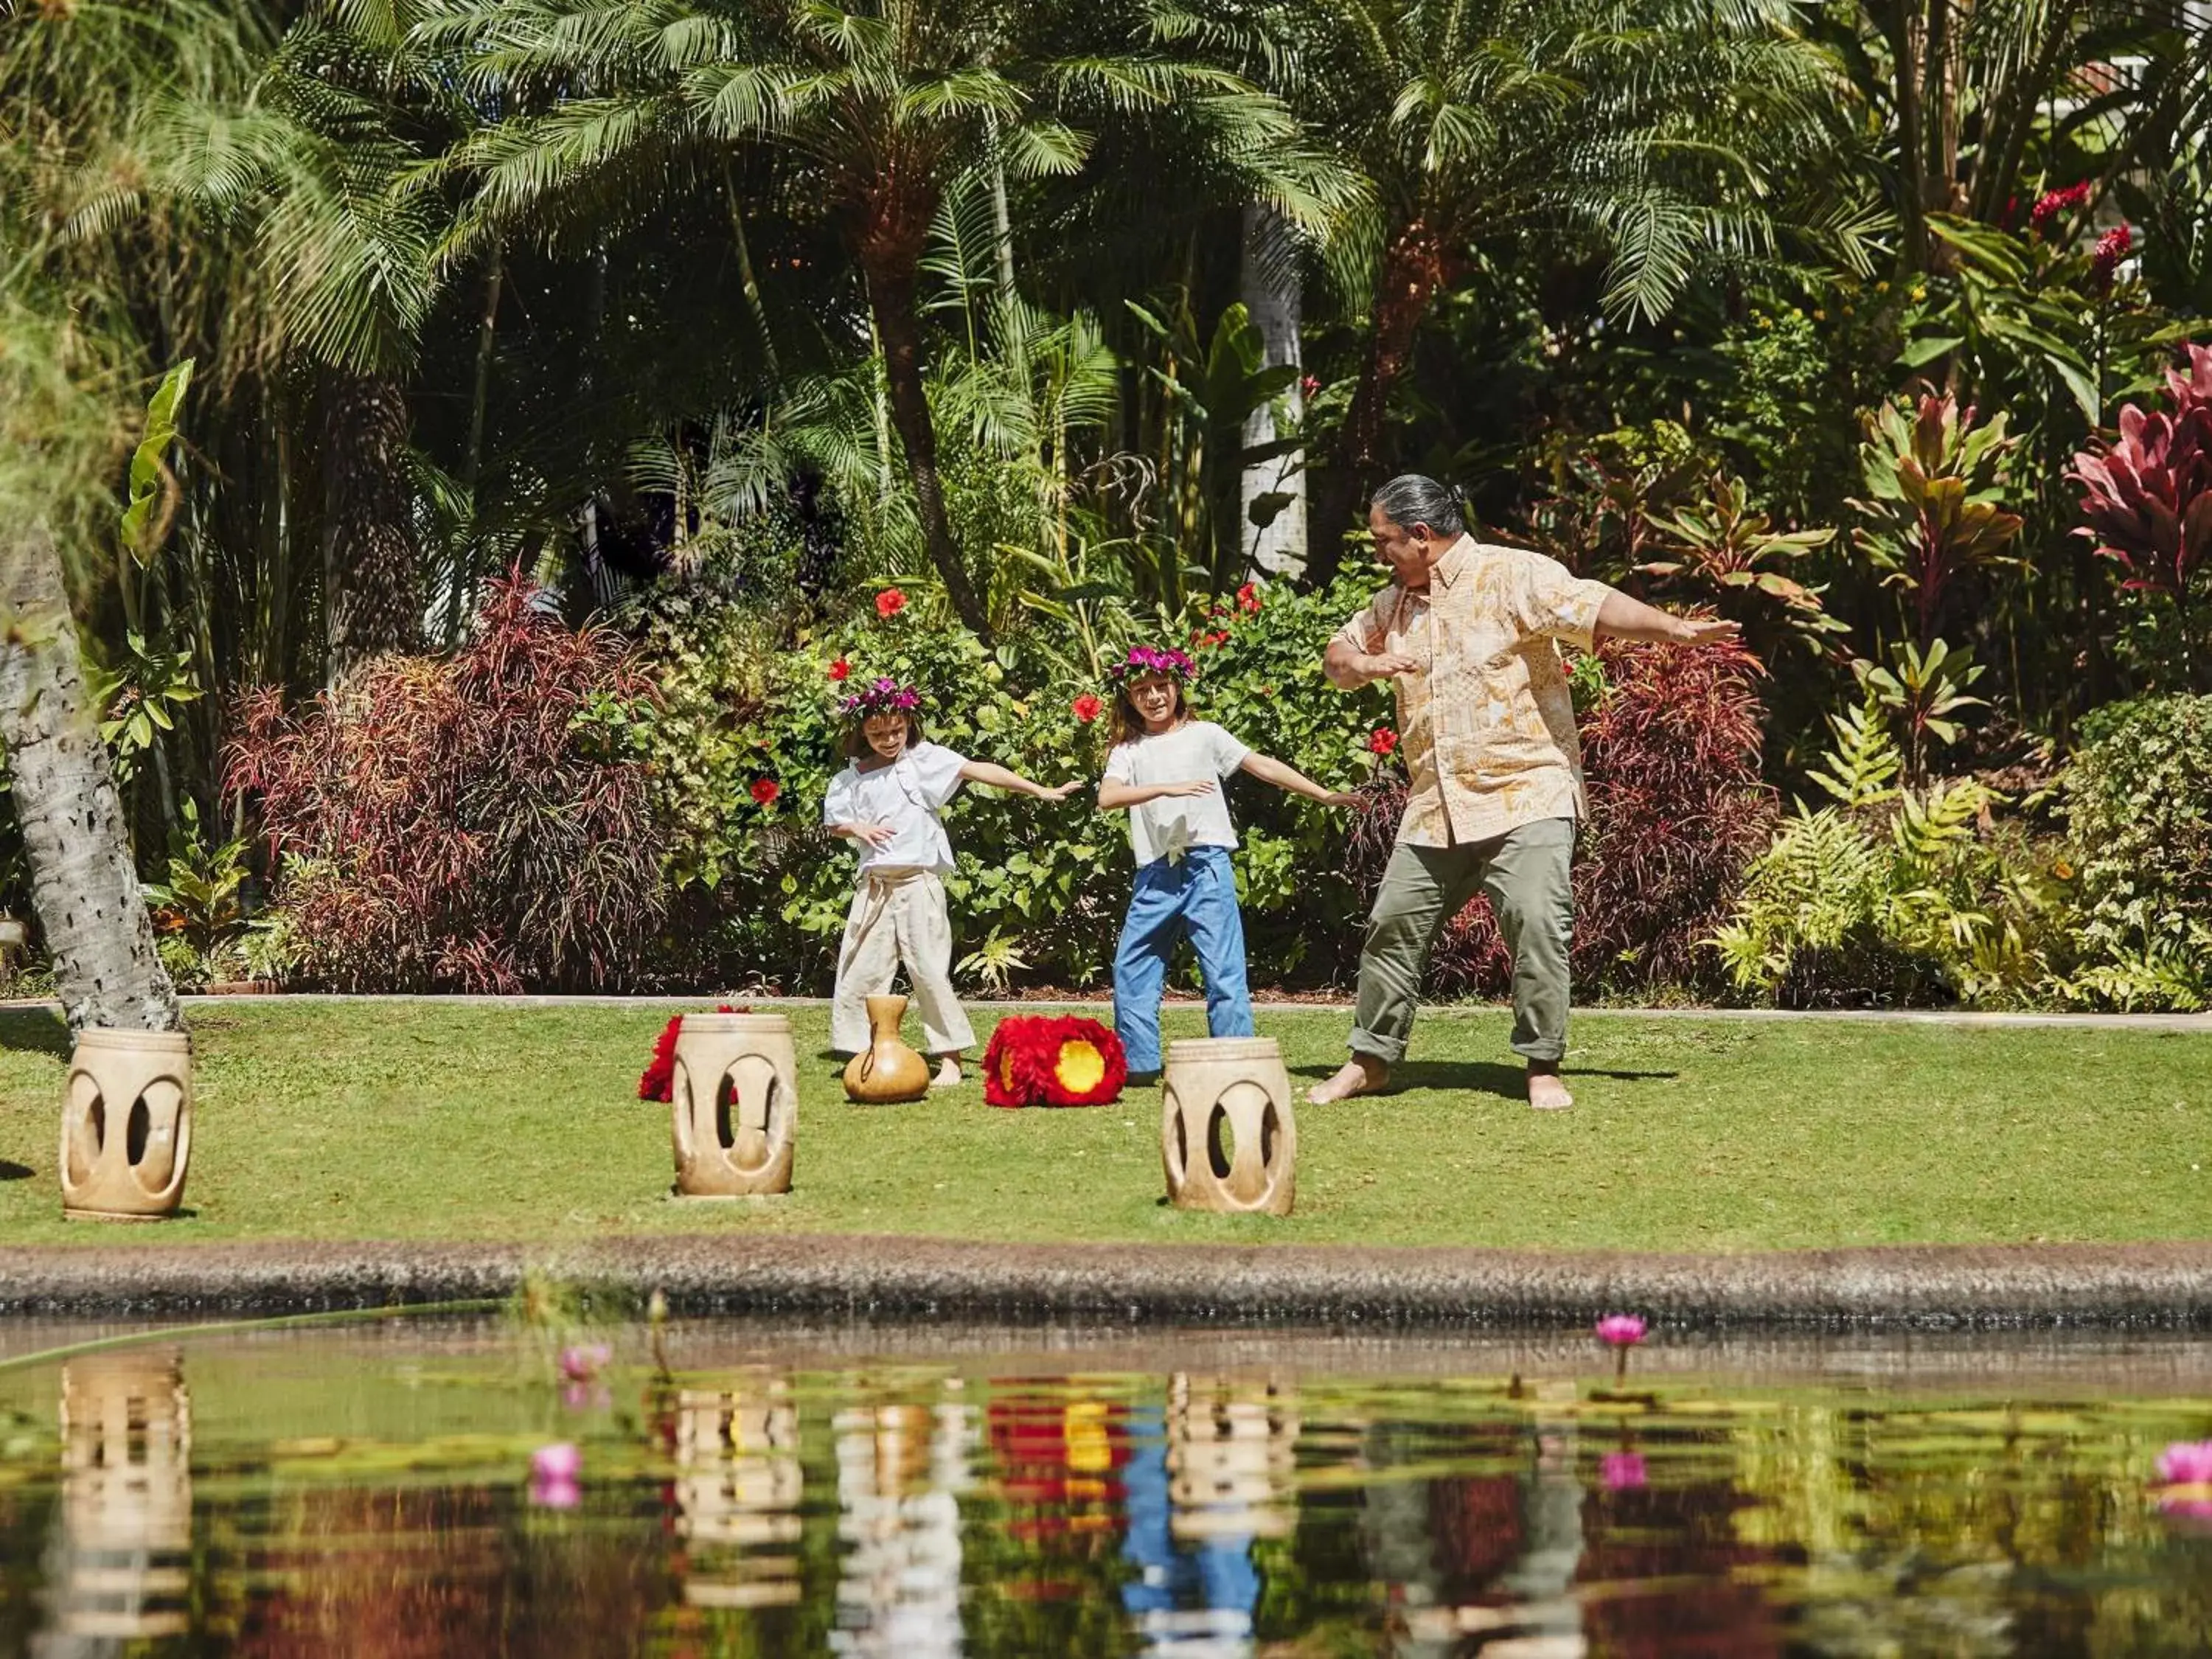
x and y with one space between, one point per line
1042 1059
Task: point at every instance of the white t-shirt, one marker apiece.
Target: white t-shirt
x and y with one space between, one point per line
907 795
1167 826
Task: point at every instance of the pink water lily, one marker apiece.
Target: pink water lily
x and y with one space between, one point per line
581 1363
2186 1463
1622 1471
553 1472
1621 1330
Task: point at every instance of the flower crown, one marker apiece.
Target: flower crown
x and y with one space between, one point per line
1151 659
885 696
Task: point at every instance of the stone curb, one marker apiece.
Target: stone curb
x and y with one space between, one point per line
2157 1285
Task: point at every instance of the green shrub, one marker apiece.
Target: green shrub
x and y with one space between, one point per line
1039 890
2139 813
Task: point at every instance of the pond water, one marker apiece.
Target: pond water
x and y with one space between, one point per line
745 1489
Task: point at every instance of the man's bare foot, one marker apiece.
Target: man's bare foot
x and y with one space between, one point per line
1363 1074
948 1073
1547 1093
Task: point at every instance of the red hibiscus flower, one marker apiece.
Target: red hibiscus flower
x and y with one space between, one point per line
1383 741
1086 707
839 669
889 602
1247 598
765 790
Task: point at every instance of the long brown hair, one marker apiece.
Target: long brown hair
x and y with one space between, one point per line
1128 725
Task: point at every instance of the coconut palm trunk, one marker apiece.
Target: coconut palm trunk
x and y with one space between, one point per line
891 273
1413 267
372 575
1273 300
82 881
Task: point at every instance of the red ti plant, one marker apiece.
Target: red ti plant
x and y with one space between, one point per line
2147 497
1934 512
462 823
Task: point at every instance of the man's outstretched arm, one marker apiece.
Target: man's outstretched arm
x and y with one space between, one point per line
1622 618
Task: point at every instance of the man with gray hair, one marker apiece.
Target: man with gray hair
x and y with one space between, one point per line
1468 632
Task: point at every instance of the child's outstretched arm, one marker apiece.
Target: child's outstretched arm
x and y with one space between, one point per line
998 777
1268 769
874 833
1113 794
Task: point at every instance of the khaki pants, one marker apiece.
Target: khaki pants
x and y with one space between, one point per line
1525 874
898 916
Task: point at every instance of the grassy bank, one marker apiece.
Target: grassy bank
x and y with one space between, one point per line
437 1121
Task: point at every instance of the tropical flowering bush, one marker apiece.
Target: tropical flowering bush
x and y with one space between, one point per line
480 823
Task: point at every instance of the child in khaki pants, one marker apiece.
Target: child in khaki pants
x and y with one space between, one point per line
888 799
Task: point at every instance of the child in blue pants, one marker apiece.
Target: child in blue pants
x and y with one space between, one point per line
1167 770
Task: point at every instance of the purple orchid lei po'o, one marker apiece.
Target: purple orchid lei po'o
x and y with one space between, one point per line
885 696
1151 659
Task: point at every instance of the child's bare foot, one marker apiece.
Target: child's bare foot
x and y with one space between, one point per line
948 1073
1545 1092
1363 1074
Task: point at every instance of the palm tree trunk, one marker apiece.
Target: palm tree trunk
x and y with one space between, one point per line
1413 267
1903 30
372 591
82 881
891 301
1272 297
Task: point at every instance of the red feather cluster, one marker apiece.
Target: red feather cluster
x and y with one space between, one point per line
658 1082
1043 1060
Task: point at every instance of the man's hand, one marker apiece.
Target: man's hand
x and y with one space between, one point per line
1387 666
1706 630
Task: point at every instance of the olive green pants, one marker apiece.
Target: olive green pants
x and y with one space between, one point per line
1525 874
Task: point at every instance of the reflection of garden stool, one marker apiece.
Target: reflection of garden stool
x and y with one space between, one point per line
1226 1135
126 1520
126 1125
738 1492
734 1098
1231 1458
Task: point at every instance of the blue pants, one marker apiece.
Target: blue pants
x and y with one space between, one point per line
1197 896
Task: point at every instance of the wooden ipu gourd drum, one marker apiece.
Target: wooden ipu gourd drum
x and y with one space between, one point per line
886 1071
126 1125
1219 1091
734 1100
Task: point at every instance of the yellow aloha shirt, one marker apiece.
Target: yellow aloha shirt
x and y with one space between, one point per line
1486 727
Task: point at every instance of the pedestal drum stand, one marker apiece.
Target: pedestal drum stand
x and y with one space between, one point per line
126 1125
1226 1135
734 1101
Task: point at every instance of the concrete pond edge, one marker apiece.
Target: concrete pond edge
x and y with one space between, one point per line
2165 1285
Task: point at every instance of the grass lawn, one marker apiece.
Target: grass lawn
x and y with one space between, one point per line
433 1121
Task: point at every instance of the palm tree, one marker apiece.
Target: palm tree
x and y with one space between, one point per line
878 107
1633 131
326 165
77 86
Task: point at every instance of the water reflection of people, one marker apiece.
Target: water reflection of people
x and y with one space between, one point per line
738 1490
120 1566
901 1468
1206 1476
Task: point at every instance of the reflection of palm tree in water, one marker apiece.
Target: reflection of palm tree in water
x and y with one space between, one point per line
1207 1475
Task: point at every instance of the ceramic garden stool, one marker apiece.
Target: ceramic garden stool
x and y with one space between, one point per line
1218 1092
126 1125
734 1103
888 1072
